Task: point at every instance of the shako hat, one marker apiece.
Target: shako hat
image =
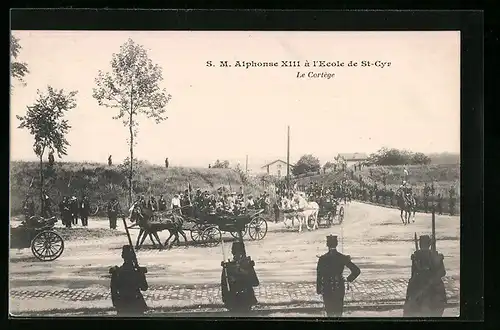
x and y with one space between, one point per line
332 240
127 252
237 247
425 240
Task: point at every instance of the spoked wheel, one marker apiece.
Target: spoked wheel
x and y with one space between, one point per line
211 236
47 246
235 233
257 229
196 233
94 209
341 214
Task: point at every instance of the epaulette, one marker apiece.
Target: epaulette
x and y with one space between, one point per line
348 257
113 269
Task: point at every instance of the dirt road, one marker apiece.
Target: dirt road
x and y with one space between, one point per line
374 237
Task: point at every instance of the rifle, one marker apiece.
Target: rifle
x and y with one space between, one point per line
416 242
433 242
134 256
224 267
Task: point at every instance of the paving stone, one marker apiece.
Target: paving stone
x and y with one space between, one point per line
359 292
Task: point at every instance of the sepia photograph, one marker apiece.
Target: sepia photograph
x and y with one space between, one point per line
234 173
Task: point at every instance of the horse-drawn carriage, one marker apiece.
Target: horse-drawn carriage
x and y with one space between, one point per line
38 234
203 227
329 210
208 228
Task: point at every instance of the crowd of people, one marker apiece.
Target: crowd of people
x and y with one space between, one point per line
221 202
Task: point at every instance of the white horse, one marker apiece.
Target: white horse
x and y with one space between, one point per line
309 211
302 210
289 211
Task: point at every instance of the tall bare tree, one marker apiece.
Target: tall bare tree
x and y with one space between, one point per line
133 87
18 70
45 122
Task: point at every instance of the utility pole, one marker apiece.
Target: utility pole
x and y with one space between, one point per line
288 162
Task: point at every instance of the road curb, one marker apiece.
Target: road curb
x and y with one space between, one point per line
219 310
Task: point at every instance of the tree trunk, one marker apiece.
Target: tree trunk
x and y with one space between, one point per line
130 175
41 185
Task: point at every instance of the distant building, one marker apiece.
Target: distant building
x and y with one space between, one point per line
352 159
276 168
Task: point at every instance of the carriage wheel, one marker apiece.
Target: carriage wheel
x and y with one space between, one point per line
94 209
341 214
196 234
47 246
235 233
257 229
211 236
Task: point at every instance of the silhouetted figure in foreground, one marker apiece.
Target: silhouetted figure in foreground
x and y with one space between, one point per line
330 282
127 282
426 294
238 280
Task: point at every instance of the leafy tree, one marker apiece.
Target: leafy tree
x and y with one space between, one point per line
45 122
132 87
306 163
219 164
420 159
17 69
328 165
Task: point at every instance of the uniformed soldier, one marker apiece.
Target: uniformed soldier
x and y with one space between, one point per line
330 282
238 280
110 161
426 295
127 282
113 211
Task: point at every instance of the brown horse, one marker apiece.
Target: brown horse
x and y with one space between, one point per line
145 218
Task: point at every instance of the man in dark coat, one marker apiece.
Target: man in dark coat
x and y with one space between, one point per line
330 283
84 211
162 204
426 294
127 282
64 208
166 162
113 211
238 280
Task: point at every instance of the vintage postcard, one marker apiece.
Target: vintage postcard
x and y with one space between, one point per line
244 173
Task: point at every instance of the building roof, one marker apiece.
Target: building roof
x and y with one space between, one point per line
354 156
274 162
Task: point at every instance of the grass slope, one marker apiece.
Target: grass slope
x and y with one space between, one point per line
101 182
443 175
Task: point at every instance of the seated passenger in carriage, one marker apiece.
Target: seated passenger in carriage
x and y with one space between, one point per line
162 204
249 203
175 204
152 204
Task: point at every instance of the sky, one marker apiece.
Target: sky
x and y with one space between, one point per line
228 113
